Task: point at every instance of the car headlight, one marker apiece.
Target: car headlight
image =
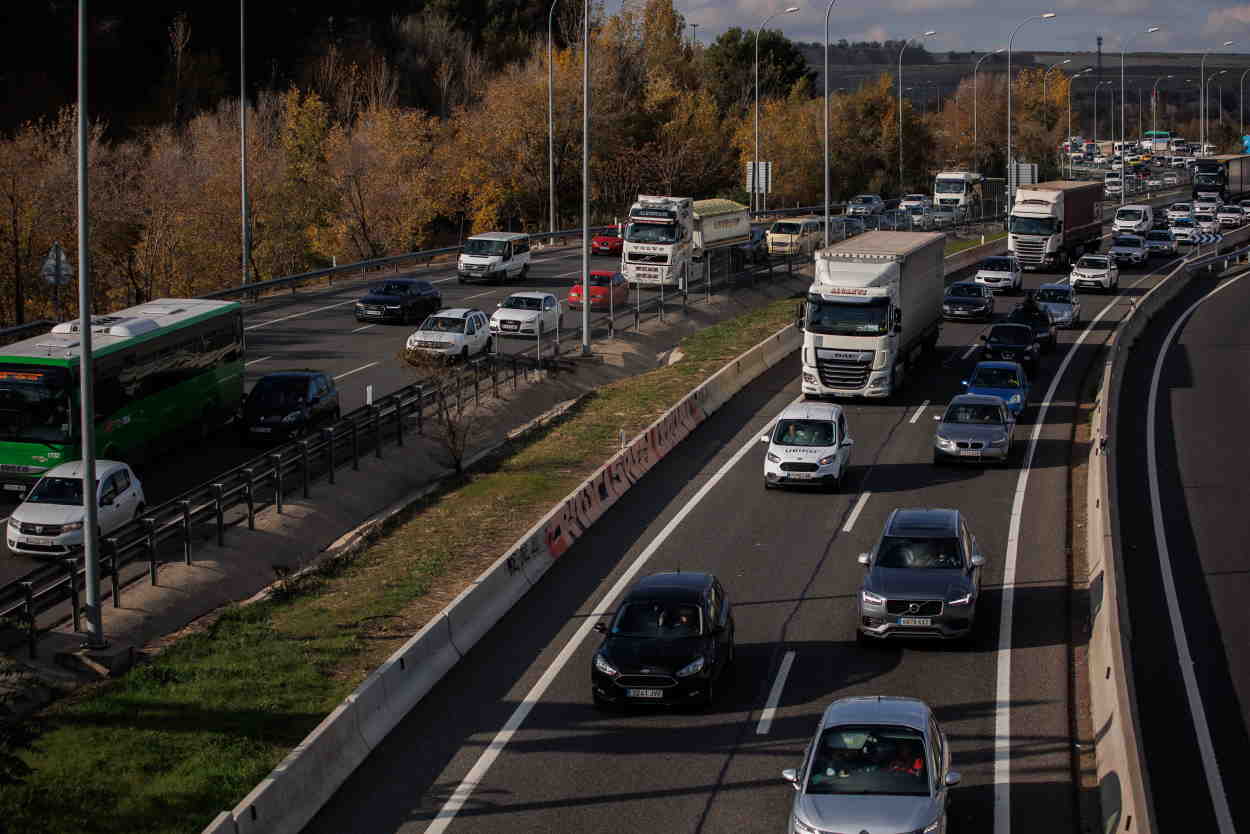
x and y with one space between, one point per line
826 460
930 828
1015 399
392 306
605 667
694 667
73 525
293 417
773 458
945 442
946 308
871 599
14 524
359 306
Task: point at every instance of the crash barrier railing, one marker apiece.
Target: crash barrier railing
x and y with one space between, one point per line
9 335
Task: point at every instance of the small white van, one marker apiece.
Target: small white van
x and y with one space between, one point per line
1134 219
494 256
795 235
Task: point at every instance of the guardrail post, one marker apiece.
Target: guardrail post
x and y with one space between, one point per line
277 482
328 434
421 410
304 465
32 634
355 446
477 399
186 531
494 377
249 490
149 524
399 420
514 372
71 565
377 431
112 550
218 502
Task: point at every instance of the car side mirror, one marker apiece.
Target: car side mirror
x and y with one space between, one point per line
953 778
864 558
963 382
983 337
977 560
763 438
791 775
602 628
937 418
848 442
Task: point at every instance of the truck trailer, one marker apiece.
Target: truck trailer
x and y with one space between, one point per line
1054 223
719 223
1226 177
874 307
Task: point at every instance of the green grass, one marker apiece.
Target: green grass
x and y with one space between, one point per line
953 246
179 739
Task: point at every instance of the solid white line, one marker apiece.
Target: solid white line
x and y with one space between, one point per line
479 295
970 349
483 764
254 361
354 370
919 411
774 695
854 516
1215 781
297 315
363 327
1002 686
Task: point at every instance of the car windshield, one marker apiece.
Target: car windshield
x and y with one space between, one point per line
443 324
803 433
839 318
651 233
927 553
1207 179
975 414
873 760
477 246
522 302
1054 294
991 377
1182 208
1127 242
279 393
1004 335
658 618
1088 262
949 186
917 211
67 491
1203 218
1184 222
389 288
785 228
964 291
1032 225
864 199
1165 236
35 404
1132 215
599 280
1229 210
997 265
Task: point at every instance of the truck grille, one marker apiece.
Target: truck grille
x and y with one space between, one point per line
646 258
923 607
1030 251
840 373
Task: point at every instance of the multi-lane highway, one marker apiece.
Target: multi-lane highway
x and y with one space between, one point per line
510 741
1183 524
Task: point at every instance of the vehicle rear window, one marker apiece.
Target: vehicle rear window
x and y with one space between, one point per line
964 291
1009 335
992 377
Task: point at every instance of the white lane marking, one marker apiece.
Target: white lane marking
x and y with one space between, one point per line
479 295
1002 685
254 361
363 327
1215 780
298 315
774 695
477 773
354 370
567 274
970 349
854 516
919 410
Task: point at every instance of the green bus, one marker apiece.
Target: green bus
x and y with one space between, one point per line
164 370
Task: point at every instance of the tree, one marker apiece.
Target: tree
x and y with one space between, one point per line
454 423
730 68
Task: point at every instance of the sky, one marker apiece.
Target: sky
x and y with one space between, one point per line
1187 26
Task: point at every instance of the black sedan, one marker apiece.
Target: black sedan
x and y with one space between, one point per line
968 300
752 251
670 642
1038 318
288 404
1012 343
399 299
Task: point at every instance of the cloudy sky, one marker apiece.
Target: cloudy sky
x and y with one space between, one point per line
1188 25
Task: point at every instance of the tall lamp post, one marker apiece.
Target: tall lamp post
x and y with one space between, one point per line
1206 91
1096 86
1071 81
1010 43
755 166
1241 100
246 227
1154 103
975 67
1202 96
827 13
551 127
1150 30
927 34
585 181
1046 75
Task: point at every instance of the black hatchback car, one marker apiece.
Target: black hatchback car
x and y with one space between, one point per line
1011 343
1037 317
399 299
968 300
288 404
670 642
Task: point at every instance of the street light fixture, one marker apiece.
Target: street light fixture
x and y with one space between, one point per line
827 13
585 184
551 127
1150 30
1202 96
1046 75
1072 81
975 67
1011 42
1154 103
927 34
755 168
1206 92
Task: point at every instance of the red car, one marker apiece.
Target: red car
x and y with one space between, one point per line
607 289
608 243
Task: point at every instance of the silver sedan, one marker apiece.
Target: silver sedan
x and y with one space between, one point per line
976 428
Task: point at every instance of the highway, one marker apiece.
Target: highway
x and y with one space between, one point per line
787 560
1196 524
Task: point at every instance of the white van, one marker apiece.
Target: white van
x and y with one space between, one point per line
1134 219
795 235
494 256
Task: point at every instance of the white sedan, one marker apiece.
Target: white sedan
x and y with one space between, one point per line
49 522
526 314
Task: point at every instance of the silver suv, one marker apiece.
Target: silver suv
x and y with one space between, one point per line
923 578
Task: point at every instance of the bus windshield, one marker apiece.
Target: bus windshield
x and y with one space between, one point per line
35 404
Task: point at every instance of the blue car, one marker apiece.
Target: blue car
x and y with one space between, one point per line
1005 380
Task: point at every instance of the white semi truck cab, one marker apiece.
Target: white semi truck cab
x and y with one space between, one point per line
658 241
959 190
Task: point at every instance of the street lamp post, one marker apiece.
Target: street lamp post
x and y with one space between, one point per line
827 13
1219 103
975 67
1150 30
1202 96
755 168
1154 103
246 230
1096 86
1072 81
1046 75
927 34
551 127
1241 99
585 183
1010 43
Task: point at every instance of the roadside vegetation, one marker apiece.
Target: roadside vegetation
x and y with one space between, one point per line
954 245
182 737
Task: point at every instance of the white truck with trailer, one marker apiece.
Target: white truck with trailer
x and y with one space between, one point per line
719 223
874 307
658 241
1053 223
958 190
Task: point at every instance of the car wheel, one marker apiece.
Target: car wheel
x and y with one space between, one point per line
938 460
460 278
464 353
525 272
138 512
863 640
710 700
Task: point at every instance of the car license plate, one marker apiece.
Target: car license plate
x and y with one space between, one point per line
645 693
915 621
510 325
262 429
373 312
970 453
15 487
1008 354
800 475
35 540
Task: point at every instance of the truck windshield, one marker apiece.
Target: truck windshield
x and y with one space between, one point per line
1032 225
651 233
34 404
950 186
839 318
785 228
1131 215
1206 179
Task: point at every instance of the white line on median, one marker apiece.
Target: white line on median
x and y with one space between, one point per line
1215 781
854 516
254 361
354 370
774 695
497 744
363 327
919 411
970 349
297 315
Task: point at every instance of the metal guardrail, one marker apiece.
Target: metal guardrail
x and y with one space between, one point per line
9 335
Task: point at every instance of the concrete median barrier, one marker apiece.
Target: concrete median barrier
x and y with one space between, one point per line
479 606
406 677
223 824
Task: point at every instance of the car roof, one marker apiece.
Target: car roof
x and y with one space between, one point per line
400 279
73 469
997 363
878 709
1057 286
455 312
531 294
498 236
674 585
925 521
296 374
974 399
964 283
811 410
999 324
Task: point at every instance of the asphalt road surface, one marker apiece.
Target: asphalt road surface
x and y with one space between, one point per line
1199 470
787 560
